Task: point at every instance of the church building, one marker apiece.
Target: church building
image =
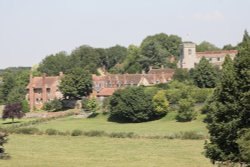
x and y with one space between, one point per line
189 57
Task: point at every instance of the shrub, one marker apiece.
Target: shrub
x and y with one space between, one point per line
3 140
54 105
90 104
160 103
200 95
27 130
25 106
186 110
95 133
131 104
51 131
191 135
122 135
76 132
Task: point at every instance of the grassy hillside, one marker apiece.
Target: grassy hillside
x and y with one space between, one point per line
65 151
165 126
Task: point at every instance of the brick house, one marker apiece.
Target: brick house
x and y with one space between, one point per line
43 89
104 86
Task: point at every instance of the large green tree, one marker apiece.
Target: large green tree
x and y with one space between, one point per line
131 104
158 49
53 64
76 84
229 111
206 46
204 74
85 57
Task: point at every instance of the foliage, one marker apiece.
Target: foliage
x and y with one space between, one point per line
13 87
228 47
244 146
204 74
76 84
131 62
25 106
90 104
3 140
53 64
206 46
54 105
51 131
181 75
186 110
157 50
229 113
160 103
114 55
76 132
131 105
13 111
85 57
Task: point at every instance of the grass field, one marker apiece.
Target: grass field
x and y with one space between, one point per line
66 151
164 126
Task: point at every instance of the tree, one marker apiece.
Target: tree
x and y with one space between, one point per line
186 110
12 111
131 105
204 74
131 62
115 55
90 104
228 47
160 103
3 140
181 75
244 146
53 64
76 84
229 111
206 46
85 57
158 48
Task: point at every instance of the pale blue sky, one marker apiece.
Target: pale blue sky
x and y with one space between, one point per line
33 29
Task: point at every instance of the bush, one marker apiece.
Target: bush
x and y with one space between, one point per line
186 110
27 130
131 104
25 106
51 132
76 132
90 104
244 146
3 140
95 133
122 135
200 95
54 105
160 103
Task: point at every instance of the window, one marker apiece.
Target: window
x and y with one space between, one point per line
218 58
210 59
189 51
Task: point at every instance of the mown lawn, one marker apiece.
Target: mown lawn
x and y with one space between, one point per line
66 151
164 126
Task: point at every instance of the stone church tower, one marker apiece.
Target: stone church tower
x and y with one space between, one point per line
188 55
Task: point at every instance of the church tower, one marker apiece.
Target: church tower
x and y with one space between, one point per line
188 55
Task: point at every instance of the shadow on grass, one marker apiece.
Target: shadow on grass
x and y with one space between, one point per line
7 123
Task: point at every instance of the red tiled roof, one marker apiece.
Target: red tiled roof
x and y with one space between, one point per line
37 82
106 92
221 53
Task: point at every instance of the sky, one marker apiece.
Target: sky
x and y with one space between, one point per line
30 30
